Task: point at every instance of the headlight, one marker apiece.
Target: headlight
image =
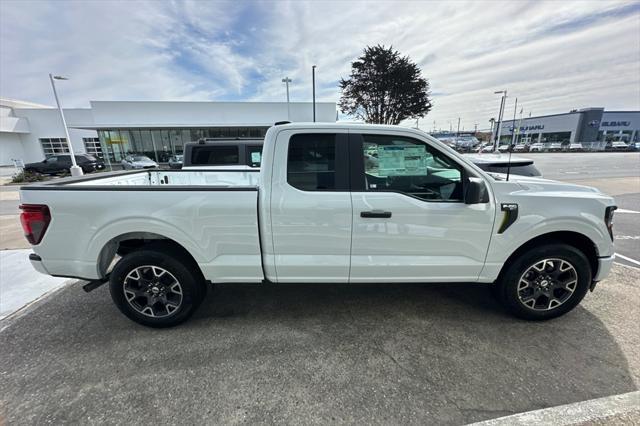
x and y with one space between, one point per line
608 219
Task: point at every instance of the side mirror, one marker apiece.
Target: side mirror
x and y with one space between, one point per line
476 192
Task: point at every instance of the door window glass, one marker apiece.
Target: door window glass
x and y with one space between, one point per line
311 162
401 164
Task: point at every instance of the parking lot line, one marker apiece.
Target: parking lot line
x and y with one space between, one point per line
628 259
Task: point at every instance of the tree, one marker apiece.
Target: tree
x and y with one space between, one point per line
384 88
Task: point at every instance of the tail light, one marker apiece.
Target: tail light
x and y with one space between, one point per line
35 220
608 219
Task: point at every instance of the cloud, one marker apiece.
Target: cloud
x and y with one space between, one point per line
553 56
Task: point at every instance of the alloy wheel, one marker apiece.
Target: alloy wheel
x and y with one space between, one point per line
547 284
152 291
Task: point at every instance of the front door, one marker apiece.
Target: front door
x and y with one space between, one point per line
311 207
410 222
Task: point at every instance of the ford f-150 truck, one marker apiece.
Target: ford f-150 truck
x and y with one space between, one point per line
331 203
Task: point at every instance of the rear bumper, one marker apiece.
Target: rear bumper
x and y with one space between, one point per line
36 262
604 267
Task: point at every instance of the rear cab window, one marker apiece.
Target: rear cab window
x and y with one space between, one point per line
254 155
318 162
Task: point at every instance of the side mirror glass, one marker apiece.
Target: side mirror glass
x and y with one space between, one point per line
476 192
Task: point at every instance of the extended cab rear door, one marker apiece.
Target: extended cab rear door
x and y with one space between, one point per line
311 206
410 221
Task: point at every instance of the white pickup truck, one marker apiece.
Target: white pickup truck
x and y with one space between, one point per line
332 203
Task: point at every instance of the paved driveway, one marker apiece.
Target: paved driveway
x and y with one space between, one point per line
317 354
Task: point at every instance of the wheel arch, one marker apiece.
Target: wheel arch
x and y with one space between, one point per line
133 241
574 239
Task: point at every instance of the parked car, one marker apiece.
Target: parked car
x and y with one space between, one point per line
175 162
576 147
57 164
223 154
555 147
617 146
504 148
135 161
521 148
320 214
499 163
537 147
634 146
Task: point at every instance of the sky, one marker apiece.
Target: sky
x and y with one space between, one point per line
553 56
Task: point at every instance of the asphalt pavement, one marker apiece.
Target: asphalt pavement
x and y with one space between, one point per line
317 354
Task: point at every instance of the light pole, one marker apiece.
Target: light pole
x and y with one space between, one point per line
499 130
286 81
75 170
313 83
513 132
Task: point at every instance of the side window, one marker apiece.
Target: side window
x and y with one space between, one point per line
52 160
311 162
402 164
211 155
254 155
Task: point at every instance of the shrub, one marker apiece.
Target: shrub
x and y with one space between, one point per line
26 176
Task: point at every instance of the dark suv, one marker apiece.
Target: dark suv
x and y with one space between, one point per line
61 163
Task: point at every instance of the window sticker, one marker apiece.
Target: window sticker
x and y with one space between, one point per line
255 157
402 160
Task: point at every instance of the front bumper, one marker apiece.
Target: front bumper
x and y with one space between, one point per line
604 267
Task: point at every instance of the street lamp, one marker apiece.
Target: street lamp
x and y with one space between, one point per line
503 101
286 81
75 169
313 83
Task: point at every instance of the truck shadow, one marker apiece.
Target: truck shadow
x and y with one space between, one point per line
453 338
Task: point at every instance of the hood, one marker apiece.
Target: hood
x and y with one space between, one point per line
545 185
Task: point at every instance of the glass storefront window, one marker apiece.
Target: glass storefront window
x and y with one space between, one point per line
161 144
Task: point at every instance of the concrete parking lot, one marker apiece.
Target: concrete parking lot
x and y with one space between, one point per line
316 354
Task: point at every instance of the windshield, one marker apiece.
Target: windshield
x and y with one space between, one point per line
140 158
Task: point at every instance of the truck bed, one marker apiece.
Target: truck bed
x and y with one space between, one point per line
218 178
212 214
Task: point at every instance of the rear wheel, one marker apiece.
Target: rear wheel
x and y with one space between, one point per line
156 288
545 282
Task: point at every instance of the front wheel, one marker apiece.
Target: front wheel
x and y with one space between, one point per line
155 288
546 282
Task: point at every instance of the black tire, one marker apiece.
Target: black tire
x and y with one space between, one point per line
541 291
134 298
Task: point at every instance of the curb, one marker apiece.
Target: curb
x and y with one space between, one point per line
616 409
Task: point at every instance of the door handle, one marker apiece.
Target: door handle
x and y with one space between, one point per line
376 213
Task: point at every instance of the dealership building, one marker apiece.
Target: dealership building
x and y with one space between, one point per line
592 127
112 129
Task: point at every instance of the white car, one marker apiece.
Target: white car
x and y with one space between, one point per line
555 146
318 213
537 147
619 146
132 162
576 147
503 163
